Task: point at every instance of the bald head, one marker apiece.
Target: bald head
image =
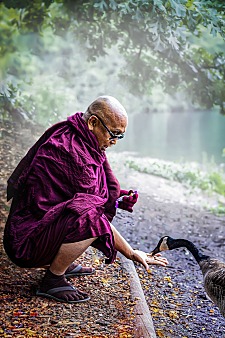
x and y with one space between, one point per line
107 119
106 107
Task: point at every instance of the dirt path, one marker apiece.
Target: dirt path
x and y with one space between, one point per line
175 294
109 313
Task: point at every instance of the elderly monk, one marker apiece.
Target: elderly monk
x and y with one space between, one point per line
64 194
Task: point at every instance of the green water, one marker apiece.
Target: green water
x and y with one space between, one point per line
191 136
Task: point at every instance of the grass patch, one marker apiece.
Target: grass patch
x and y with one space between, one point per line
207 177
189 174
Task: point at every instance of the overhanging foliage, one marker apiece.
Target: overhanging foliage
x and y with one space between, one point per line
163 42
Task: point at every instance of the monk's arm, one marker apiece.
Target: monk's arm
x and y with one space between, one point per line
135 255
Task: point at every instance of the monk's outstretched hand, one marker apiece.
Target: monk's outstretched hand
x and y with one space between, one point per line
145 259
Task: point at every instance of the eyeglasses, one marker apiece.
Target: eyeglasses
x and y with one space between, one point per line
113 136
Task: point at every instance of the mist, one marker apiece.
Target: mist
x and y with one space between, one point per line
62 80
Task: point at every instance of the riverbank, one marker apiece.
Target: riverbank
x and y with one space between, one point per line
175 295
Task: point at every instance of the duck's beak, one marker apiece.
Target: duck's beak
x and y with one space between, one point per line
155 251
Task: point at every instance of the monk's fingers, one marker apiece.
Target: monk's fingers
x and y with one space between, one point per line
156 255
160 263
162 260
164 263
157 260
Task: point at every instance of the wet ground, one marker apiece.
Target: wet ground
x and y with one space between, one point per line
175 294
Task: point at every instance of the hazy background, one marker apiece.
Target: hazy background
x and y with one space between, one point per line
56 78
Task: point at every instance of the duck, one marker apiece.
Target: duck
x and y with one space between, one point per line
213 270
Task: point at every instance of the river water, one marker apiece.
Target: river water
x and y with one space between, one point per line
190 136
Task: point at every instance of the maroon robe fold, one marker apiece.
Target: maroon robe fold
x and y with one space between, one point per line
63 191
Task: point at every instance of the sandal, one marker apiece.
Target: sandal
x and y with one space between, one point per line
52 294
78 270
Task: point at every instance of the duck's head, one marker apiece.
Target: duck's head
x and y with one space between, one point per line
165 243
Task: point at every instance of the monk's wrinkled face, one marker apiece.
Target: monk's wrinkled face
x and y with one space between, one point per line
107 130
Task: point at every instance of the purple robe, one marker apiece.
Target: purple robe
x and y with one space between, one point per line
63 191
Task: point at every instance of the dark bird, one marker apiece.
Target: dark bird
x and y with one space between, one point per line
212 269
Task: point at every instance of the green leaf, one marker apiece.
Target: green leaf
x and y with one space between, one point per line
174 42
179 8
153 28
190 4
159 4
138 15
102 5
159 45
113 4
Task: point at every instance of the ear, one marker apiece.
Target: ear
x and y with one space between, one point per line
92 121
